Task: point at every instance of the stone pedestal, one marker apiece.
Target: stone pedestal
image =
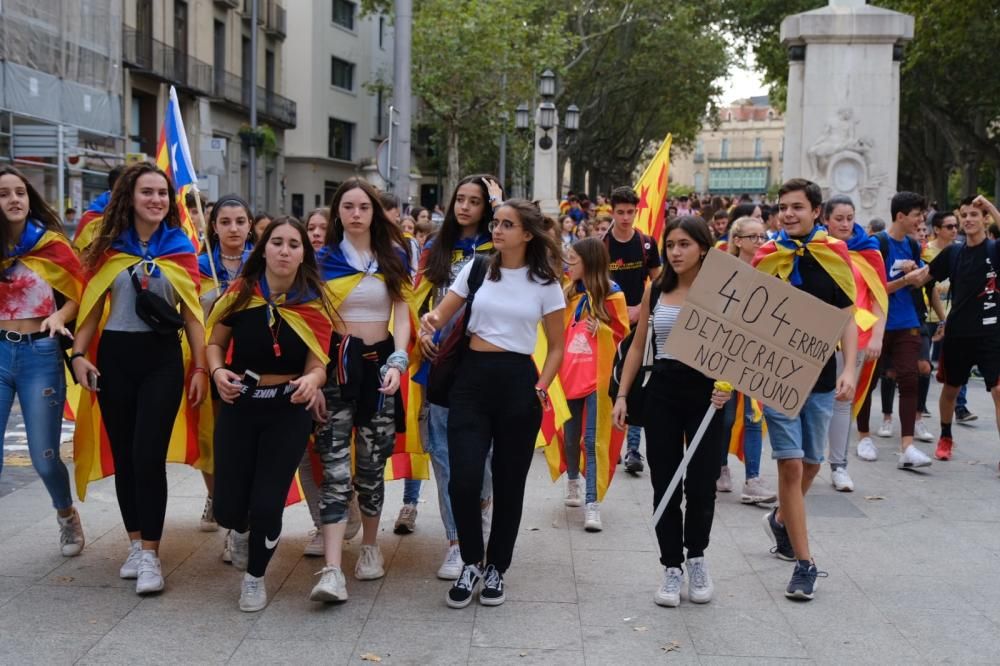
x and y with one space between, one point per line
546 171
842 121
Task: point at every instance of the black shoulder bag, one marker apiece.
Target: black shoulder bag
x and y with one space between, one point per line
444 367
154 310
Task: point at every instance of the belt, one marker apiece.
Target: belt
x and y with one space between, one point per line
15 337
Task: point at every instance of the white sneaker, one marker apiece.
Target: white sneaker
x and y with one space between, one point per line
724 484
253 594
755 492
592 520
227 555
921 432
239 549
150 578
332 585
912 458
573 495
885 430
669 593
353 519
406 522
842 480
700 587
451 568
316 546
131 567
370 565
208 523
70 534
867 450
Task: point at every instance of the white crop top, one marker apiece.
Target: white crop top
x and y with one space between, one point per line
506 313
369 301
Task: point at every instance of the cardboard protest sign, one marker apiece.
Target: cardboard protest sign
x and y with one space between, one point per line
764 336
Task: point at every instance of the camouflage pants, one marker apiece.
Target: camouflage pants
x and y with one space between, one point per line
373 446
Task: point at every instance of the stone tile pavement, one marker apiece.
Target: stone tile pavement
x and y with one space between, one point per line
913 558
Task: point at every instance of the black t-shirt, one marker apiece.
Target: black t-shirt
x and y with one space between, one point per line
974 302
631 263
817 282
253 344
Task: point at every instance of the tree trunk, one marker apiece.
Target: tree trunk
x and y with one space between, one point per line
970 176
453 167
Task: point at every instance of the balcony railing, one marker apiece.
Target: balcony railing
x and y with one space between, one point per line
261 10
276 25
141 52
271 106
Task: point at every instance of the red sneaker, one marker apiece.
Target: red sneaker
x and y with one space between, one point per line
943 451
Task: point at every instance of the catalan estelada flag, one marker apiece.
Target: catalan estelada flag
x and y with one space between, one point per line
171 255
652 190
305 315
608 442
408 460
780 257
90 221
550 433
872 301
173 156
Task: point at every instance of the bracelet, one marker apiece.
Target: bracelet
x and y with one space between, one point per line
76 355
621 397
197 370
398 359
221 367
541 391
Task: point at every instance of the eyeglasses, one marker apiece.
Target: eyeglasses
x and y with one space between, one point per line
760 238
949 226
504 225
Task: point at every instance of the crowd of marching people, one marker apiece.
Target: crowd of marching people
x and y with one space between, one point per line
314 359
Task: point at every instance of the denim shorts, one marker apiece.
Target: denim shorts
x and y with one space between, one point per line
803 436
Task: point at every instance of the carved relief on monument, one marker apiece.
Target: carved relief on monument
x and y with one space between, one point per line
841 162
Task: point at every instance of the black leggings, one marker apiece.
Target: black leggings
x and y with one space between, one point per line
677 398
493 403
258 445
141 384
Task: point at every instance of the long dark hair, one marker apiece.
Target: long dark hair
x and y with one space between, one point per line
37 210
307 278
387 239
120 214
542 251
226 201
438 267
698 230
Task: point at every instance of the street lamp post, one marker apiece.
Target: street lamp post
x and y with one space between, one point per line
546 165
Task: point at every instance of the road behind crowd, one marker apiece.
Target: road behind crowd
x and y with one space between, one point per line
913 561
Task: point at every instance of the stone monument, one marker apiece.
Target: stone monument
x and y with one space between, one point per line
842 120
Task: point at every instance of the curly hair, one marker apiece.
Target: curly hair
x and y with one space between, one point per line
120 213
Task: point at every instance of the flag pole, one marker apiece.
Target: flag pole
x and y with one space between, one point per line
204 234
688 455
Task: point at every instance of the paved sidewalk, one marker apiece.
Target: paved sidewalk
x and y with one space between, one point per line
913 558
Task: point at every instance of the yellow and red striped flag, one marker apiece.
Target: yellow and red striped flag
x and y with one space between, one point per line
652 189
173 156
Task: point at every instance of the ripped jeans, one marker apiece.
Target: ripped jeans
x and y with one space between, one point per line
374 443
34 371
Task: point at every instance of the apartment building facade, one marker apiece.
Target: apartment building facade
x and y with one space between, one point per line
742 153
339 57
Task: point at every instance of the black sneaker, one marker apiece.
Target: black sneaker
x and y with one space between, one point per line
803 584
633 462
963 415
460 594
492 592
777 533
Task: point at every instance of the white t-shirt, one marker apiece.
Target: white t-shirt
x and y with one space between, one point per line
506 313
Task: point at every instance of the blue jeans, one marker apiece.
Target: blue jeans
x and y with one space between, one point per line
577 407
752 438
34 371
961 402
804 436
411 491
632 437
436 446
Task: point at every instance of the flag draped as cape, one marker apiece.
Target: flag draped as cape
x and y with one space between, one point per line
49 255
90 222
869 273
608 439
780 257
408 460
171 255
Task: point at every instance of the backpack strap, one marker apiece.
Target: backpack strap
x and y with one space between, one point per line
883 244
